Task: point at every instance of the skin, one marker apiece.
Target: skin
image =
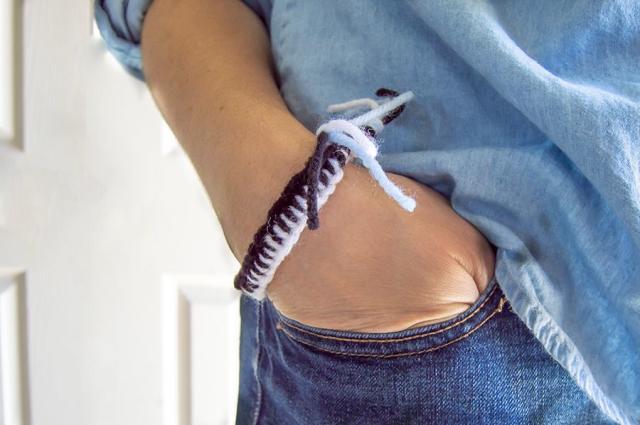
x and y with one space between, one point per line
371 266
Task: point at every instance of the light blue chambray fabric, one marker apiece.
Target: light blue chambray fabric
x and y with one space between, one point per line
527 117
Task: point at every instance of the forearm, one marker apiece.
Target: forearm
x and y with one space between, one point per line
208 66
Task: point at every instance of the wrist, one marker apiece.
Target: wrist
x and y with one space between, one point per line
250 177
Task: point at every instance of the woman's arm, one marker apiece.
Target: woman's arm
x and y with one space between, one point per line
208 66
371 265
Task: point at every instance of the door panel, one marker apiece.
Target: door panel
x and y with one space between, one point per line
116 295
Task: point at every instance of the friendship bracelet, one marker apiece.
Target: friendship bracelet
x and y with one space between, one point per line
338 142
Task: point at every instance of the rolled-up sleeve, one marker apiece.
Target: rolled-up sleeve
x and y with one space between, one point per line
120 24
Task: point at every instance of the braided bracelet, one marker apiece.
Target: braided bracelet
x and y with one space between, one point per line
338 142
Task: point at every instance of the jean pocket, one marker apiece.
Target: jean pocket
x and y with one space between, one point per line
409 342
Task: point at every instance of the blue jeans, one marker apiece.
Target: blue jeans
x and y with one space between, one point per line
481 367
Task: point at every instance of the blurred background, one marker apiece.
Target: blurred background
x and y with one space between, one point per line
116 284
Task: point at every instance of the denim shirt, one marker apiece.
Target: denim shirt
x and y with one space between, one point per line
526 117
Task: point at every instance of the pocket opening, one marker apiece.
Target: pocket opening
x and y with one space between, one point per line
399 343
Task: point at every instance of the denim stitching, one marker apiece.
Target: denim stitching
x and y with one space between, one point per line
391 340
498 309
258 408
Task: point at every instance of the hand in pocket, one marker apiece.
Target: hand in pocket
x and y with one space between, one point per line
372 267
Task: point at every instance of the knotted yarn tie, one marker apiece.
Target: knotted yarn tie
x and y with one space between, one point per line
349 135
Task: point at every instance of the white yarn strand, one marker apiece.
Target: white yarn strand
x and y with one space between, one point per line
365 148
382 109
353 104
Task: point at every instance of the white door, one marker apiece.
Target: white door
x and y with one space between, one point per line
116 298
